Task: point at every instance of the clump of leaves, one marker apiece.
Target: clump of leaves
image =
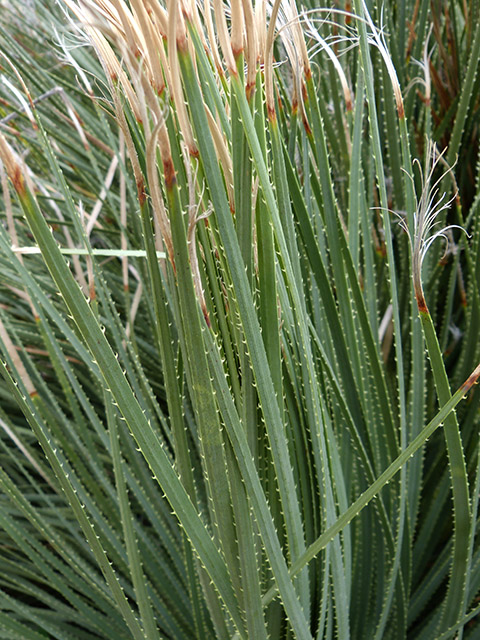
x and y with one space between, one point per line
217 415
